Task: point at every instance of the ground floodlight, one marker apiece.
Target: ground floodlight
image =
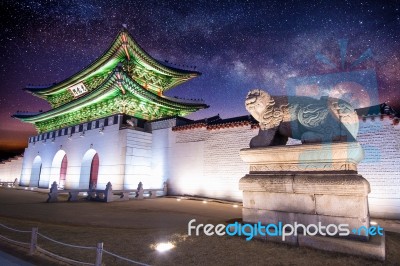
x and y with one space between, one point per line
162 247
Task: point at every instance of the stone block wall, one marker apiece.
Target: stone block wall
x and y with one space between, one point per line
207 163
199 161
11 169
380 139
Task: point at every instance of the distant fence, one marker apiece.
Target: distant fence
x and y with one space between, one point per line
9 184
34 247
105 195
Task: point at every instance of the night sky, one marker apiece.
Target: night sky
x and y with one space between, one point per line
236 45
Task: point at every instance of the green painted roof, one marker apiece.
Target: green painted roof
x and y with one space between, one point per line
123 80
118 93
124 49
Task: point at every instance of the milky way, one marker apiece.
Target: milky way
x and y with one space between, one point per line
236 45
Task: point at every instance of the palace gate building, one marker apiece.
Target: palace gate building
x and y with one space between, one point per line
96 130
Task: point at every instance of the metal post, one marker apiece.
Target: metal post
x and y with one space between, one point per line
99 254
33 240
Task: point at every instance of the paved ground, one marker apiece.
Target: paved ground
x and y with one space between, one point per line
131 228
138 214
9 260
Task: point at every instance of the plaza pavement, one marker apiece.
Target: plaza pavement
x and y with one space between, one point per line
9 260
147 213
131 228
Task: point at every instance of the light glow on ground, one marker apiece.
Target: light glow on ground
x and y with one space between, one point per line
162 247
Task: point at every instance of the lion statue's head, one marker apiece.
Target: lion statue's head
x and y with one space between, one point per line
261 106
258 102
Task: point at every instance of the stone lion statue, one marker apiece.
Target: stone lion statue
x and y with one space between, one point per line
307 119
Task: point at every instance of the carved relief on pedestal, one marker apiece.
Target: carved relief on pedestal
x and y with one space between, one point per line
305 167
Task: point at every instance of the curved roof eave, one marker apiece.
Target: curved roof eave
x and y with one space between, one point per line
105 90
116 46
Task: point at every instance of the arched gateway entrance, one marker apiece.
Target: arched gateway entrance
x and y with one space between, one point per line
35 172
59 169
94 171
89 169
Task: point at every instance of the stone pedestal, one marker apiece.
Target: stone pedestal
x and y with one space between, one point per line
308 184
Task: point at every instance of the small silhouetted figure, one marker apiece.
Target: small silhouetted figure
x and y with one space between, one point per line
139 191
92 186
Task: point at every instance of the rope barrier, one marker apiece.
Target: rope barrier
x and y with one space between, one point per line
65 244
14 241
68 260
61 257
122 258
15 230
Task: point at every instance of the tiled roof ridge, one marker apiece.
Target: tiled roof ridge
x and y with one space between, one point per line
248 120
211 124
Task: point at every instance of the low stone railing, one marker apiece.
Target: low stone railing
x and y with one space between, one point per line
104 195
9 184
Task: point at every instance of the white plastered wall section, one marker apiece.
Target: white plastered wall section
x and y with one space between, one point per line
163 141
138 156
108 144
